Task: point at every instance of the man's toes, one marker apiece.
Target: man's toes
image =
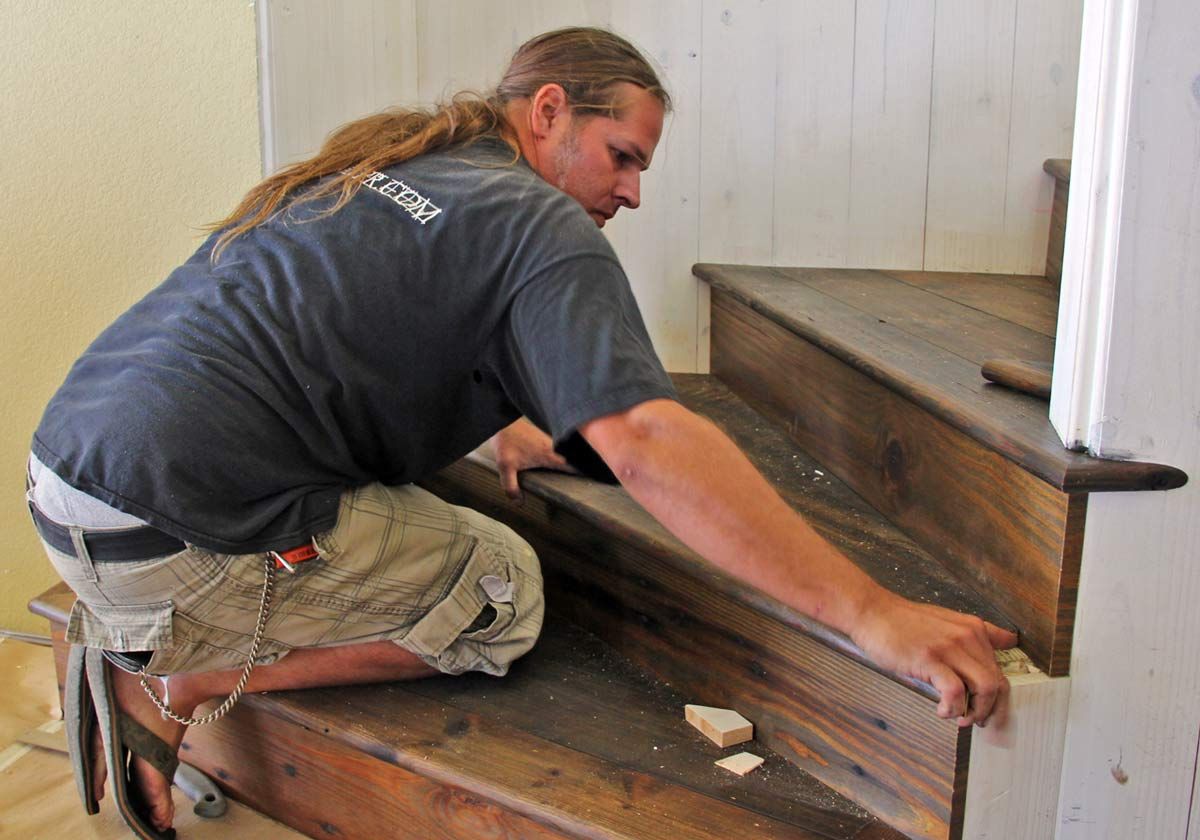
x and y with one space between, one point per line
156 793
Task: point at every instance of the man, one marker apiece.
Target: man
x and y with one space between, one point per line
363 318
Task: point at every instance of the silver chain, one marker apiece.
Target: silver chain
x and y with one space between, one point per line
220 712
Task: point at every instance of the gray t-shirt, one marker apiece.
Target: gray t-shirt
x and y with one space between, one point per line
233 404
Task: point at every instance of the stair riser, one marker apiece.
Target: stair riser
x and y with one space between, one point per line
862 734
1009 534
324 788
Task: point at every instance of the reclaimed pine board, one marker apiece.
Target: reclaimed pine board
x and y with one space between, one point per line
571 691
991 522
1031 302
967 332
943 384
611 569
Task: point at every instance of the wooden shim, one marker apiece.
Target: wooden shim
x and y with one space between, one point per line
724 727
992 522
742 763
866 736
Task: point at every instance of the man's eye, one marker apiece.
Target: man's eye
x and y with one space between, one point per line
621 157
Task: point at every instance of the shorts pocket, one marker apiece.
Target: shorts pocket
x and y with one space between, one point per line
463 604
141 627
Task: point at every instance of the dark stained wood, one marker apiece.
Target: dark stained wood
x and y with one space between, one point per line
1060 168
1031 302
945 385
292 754
990 521
869 737
1056 242
575 691
967 332
324 788
1031 378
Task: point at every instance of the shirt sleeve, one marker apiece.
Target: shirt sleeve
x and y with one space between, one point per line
576 348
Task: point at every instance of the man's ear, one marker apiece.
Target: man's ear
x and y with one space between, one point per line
549 106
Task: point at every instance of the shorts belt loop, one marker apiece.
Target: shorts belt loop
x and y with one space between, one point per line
81 552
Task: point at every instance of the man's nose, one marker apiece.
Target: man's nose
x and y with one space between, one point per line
629 190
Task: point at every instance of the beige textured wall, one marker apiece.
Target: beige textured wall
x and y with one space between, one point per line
126 126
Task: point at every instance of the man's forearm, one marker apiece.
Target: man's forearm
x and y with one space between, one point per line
698 484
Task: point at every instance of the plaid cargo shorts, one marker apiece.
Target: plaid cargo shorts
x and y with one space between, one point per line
458 589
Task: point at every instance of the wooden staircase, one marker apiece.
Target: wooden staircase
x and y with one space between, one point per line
858 394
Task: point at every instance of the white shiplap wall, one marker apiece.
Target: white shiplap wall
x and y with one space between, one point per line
858 133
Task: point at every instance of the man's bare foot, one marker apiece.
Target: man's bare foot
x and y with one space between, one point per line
155 790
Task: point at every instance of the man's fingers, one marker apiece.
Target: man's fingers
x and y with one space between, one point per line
951 689
509 483
1000 638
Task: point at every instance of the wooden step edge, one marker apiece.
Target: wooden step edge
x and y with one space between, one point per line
561 491
1060 168
54 604
571 792
1068 471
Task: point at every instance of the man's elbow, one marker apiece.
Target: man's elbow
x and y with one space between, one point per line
627 440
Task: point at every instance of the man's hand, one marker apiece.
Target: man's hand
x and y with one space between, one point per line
949 650
523 446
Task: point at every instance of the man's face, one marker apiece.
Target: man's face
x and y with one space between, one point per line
599 161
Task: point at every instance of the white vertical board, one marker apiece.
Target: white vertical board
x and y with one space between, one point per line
893 67
969 133
812 132
737 131
1045 70
1130 760
327 62
658 243
1012 789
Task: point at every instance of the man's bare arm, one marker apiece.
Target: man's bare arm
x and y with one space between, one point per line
698 484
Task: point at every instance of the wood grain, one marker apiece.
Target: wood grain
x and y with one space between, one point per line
1057 240
1031 302
990 521
944 384
1032 378
866 736
572 692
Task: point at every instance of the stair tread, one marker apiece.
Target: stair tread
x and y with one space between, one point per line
833 509
925 335
575 736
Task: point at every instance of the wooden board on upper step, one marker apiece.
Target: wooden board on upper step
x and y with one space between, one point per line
810 693
877 374
1060 170
574 742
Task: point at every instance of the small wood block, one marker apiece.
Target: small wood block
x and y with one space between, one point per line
724 727
742 763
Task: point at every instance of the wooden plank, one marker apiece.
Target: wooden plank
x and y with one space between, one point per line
1013 787
870 738
965 331
893 66
992 522
570 792
367 55
1045 68
737 134
943 384
813 127
969 134
575 691
325 788
1029 301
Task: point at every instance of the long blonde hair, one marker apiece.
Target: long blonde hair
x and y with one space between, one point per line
587 62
